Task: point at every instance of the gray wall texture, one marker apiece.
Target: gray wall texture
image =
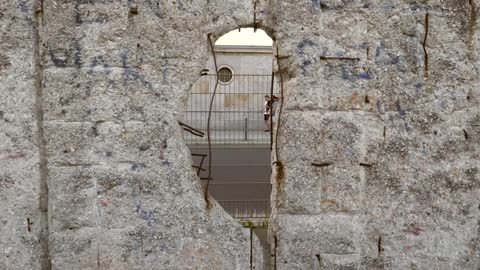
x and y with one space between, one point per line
382 95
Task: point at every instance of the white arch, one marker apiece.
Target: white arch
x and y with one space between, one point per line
245 37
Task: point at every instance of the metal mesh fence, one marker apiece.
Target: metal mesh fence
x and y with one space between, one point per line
247 209
237 112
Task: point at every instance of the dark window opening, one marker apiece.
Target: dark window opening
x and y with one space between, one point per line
225 75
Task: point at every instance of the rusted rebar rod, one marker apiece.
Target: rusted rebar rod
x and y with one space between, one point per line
209 118
339 58
271 111
192 130
321 164
280 107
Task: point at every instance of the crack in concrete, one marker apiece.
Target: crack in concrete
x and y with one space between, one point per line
424 44
472 28
41 143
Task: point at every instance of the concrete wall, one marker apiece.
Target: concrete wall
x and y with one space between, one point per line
23 204
89 92
384 97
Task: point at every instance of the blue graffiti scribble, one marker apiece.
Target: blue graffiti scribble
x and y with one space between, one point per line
305 60
380 107
99 61
135 167
365 75
154 8
395 60
351 76
165 68
379 49
140 212
25 8
385 57
166 163
399 108
78 62
132 72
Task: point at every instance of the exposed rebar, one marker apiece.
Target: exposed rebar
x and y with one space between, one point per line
191 129
339 58
209 118
424 45
280 107
271 111
321 164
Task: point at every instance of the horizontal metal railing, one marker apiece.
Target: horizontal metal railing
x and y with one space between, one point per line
247 209
237 114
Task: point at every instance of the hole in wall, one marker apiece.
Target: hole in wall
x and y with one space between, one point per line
243 113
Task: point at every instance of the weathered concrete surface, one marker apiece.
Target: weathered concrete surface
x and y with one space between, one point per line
122 191
396 134
108 78
22 218
89 93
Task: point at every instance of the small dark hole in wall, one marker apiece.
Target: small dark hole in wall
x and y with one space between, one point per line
468 97
379 245
95 131
135 167
367 100
29 225
465 134
133 11
144 148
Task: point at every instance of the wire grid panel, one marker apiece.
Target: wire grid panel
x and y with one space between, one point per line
237 111
247 209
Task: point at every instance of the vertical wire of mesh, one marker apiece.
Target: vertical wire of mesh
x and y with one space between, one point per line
249 90
224 116
232 113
